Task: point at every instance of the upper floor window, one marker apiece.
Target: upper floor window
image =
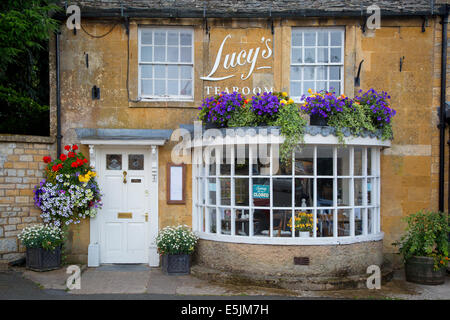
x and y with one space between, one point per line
166 63
317 60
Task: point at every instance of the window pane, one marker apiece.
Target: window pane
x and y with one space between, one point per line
225 218
186 88
296 89
135 162
343 195
146 37
261 222
336 55
212 188
241 192
172 54
212 220
324 192
310 38
324 223
160 37
296 73
160 53
280 223
344 222
343 162
160 72
146 54
173 87
303 223
322 38
304 190
282 192
359 221
147 87
186 54
147 72
281 168
186 39
308 73
186 72
358 192
335 73
172 38
358 162
310 55
113 162
242 222
225 191
304 161
335 87
336 38
160 87
225 164
370 187
261 192
296 55
261 161
321 85
370 220
321 73
241 160
324 161
322 55
369 161
297 39
172 72
308 85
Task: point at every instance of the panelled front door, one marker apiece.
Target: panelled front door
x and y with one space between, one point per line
125 184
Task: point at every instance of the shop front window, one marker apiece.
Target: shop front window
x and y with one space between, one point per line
334 188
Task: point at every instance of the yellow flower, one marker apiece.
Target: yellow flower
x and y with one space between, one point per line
283 101
310 91
290 101
284 94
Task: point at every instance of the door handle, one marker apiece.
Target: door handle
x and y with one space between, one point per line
124 177
146 217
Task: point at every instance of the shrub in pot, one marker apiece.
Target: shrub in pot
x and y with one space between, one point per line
43 247
424 247
175 245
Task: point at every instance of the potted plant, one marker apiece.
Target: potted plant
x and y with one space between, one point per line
303 224
322 105
175 245
424 247
43 247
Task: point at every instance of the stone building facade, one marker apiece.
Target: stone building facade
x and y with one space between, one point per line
105 54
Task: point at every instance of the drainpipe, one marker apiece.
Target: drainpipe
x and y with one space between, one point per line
58 96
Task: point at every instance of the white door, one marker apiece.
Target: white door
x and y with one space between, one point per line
124 218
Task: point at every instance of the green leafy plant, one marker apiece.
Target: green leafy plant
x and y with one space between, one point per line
42 236
426 236
176 240
292 127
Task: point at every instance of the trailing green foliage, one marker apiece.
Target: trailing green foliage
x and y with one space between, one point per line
243 117
426 236
292 127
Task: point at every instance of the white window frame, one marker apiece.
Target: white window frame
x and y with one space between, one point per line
140 63
318 64
200 223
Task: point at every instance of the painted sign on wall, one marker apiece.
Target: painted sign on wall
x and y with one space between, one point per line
240 60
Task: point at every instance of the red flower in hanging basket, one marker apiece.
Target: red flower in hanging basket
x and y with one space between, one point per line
67 148
47 159
71 154
74 147
63 157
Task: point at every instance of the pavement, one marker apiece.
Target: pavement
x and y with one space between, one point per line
143 282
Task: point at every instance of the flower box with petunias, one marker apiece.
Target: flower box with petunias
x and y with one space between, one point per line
70 191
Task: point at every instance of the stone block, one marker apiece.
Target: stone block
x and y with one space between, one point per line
8 245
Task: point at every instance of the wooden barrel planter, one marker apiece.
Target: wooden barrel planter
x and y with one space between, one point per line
421 270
